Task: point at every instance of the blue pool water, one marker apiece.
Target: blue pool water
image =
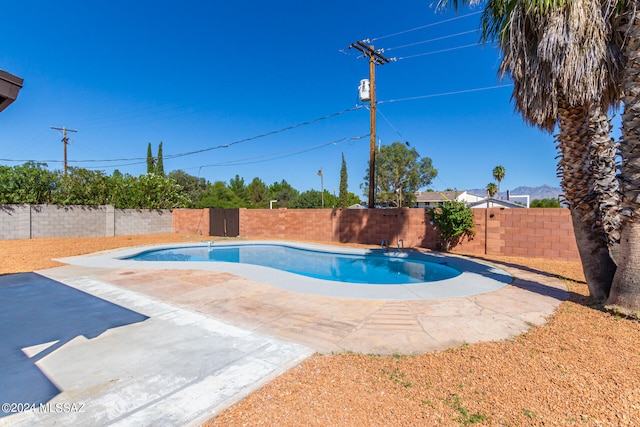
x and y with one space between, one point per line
368 268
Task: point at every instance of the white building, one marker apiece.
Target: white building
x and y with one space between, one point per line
432 199
490 202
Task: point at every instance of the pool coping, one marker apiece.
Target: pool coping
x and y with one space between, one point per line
476 277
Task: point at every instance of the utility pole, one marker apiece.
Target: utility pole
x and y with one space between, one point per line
375 58
65 141
321 175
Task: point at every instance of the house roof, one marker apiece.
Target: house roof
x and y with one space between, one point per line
437 196
10 85
495 202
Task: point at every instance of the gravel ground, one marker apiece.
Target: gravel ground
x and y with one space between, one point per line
581 368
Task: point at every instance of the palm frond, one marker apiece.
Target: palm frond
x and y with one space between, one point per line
564 52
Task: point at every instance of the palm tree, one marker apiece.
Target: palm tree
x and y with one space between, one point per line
625 290
498 175
492 189
564 69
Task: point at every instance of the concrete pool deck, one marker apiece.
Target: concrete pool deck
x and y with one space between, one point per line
176 346
474 278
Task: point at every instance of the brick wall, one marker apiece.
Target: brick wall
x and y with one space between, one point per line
533 233
37 221
541 233
538 233
302 224
341 225
409 227
191 222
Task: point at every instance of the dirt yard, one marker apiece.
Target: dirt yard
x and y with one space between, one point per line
582 368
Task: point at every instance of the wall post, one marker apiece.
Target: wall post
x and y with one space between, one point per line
24 221
110 216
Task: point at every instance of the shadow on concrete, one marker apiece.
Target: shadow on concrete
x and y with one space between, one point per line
520 267
549 291
39 315
537 287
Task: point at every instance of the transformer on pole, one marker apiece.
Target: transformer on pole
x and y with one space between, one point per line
367 89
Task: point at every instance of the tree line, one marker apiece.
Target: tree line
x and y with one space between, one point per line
256 194
33 183
400 173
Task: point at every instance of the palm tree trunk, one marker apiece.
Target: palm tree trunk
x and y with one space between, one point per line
625 290
605 186
575 171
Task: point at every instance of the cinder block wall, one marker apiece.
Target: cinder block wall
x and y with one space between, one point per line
15 222
38 221
142 221
67 221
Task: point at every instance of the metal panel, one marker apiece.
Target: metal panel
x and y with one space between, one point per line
224 222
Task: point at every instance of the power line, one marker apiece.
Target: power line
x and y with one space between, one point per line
392 127
132 116
436 51
245 161
139 160
348 110
431 40
116 166
31 160
457 92
424 26
285 154
139 115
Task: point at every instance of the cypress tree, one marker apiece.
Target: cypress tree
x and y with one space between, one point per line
150 162
160 165
343 197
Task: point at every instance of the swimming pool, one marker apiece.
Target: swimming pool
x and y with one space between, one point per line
374 267
474 278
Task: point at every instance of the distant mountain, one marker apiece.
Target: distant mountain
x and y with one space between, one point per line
541 192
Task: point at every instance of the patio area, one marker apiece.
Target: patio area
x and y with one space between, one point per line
186 344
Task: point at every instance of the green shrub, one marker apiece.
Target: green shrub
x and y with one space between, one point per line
455 221
545 203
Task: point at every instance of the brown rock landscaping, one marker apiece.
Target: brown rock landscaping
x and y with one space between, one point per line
580 368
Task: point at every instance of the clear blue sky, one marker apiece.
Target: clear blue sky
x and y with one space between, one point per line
199 74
